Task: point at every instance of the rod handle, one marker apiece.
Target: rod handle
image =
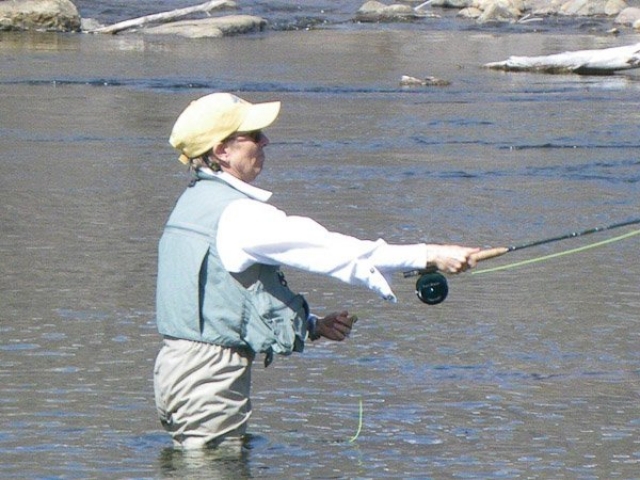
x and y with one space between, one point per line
489 253
478 257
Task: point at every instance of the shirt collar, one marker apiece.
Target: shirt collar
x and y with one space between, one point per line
253 192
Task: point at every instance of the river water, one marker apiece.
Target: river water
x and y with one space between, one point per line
531 372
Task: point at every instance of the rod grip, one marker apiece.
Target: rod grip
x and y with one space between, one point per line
489 253
478 257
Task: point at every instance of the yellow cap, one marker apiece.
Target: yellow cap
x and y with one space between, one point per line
210 119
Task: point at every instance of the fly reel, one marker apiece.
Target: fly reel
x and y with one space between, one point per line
432 288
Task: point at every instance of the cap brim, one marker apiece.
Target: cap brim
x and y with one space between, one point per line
260 116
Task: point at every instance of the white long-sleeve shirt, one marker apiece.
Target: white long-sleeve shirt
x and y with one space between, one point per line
252 231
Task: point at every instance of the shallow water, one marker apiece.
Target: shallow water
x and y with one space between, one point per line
527 373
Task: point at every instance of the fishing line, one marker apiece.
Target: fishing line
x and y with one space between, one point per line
361 414
556 255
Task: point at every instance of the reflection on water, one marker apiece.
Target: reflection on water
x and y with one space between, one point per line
203 464
526 373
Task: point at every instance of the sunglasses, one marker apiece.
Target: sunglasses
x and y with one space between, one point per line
255 136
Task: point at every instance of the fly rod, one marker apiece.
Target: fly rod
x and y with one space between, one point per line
432 288
498 251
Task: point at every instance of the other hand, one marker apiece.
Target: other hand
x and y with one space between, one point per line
336 326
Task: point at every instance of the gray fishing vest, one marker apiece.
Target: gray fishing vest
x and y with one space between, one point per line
197 299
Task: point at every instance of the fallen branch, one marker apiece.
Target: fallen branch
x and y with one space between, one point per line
528 19
420 7
584 62
164 16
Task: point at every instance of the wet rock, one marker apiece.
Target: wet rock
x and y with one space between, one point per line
514 5
543 7
506 10
500 11
516 10
470 12
614 7
628 16
588 8
41 15
408 81
452 3
89 24
374 11
211 27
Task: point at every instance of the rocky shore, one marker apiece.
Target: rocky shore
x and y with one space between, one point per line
63 15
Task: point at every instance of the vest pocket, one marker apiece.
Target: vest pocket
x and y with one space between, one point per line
276 317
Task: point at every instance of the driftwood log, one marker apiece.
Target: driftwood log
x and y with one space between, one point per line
583 62
164 17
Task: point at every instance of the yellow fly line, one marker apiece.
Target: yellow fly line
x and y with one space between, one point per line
556 255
